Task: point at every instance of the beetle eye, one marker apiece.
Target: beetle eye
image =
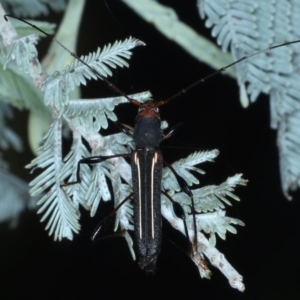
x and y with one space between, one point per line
140 109
155 109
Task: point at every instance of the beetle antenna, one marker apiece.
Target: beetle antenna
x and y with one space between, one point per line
183 91
111 85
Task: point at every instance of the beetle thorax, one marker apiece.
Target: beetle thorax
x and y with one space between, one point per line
147 130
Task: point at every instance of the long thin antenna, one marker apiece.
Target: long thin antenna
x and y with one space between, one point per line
183 91
111 85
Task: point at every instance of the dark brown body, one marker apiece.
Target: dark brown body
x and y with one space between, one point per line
147 164
146 174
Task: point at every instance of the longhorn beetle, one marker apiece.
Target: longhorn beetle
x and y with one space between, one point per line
147 163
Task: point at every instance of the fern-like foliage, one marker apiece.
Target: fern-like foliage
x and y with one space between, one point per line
57 207
206 199
244 27
86 119
58 86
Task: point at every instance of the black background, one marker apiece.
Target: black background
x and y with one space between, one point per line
32 266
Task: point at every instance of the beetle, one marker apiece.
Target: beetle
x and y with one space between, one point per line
147 164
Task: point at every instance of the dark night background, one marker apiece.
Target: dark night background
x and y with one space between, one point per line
32 266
